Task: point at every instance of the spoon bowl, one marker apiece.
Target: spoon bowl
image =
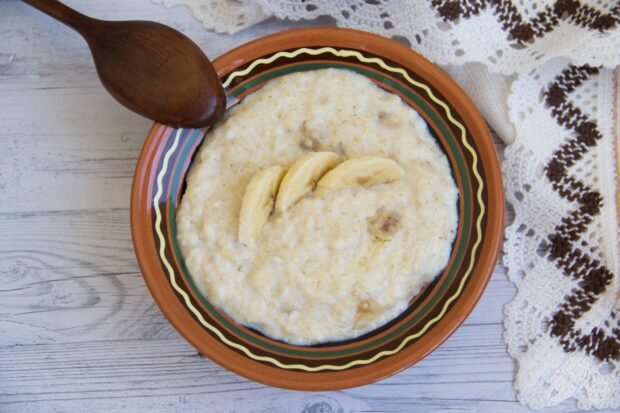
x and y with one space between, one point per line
148 67
157 72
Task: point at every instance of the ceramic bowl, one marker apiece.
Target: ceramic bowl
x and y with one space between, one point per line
432 316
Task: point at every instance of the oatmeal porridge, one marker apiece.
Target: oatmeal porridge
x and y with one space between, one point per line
315 213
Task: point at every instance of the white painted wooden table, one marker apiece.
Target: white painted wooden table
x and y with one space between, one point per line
78 328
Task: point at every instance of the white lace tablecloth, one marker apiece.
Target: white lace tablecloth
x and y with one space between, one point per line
545 76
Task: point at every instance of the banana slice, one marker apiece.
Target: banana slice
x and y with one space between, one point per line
385 224
302 176
257 203
363 171
367 310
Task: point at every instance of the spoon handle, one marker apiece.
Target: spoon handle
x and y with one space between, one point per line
62 13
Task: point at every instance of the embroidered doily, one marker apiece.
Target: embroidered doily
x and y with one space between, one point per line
506 36
542 74
562 251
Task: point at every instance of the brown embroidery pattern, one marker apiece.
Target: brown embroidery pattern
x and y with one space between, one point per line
594 278
545 21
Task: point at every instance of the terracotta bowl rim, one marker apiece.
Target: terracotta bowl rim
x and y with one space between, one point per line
493 233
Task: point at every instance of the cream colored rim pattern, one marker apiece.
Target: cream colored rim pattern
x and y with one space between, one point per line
385 353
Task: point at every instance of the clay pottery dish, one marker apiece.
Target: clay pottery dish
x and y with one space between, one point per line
432 316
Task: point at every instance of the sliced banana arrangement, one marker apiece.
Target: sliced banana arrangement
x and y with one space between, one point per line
321 172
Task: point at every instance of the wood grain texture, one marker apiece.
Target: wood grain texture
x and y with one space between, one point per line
79 331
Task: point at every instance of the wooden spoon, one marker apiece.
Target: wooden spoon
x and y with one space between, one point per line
150 68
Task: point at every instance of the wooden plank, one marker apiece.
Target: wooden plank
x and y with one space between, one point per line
469 372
